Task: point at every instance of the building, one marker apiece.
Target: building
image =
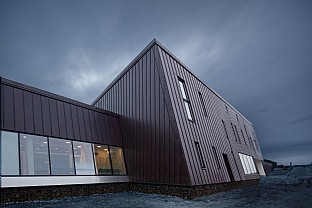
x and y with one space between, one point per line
155 126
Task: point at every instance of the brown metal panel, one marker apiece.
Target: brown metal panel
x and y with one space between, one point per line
68 121
81 122
8 107
61 119
46 118
38 122
87 124
75 120
54 118
29 112
19 115
93 126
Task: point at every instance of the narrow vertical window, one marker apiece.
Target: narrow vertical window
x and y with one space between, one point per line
203 103
237 118
200 155
216 157
226 109
238 138
227 136
244 137
234 132
186 100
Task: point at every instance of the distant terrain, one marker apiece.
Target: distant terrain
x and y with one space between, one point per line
282 188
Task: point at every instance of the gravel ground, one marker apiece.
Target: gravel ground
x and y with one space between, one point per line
281 189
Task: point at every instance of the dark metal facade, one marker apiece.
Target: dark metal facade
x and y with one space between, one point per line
161 142
29 110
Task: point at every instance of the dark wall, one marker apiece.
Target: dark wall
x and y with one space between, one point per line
208 130
33 111
153 149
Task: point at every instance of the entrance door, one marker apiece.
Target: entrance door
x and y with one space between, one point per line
228 167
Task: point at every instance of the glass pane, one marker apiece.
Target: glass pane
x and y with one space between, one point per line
247 164
83 158
61 156
243 163
102 161
9 153
188 110
34 155
118 162
182 90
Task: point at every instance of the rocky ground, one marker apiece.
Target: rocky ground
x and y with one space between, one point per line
282 188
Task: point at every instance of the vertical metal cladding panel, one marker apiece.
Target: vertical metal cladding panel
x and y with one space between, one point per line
19 116
37 109
7 107
54 118
69 121
61 119
152 148
75 120
29 114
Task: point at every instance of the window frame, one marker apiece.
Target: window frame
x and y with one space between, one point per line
186 100
200 155
203 103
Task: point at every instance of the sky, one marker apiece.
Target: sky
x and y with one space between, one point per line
257 54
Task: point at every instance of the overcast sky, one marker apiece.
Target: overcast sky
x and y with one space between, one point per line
255 54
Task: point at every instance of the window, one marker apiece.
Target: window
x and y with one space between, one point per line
227 136
186 100
83 158
102 160
61 156
244 137
34 155
118 163
216 157
9 153
200 156
234 132
237 118
203 103
238 139
248 164
226 109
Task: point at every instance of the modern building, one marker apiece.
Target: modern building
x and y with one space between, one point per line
155 125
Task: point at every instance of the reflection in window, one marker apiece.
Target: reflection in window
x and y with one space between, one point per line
186 100
61 156
34 155
248 164
83 158
102 161
9 153
118 162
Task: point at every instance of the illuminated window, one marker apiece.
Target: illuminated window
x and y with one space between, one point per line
248 164
102 160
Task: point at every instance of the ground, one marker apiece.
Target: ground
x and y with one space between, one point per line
282 188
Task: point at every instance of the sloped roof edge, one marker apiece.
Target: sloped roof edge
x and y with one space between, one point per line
141 54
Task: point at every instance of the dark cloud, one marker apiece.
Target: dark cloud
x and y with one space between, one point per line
256 54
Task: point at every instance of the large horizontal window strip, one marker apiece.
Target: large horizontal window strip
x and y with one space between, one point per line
186 100
247 163
31 155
